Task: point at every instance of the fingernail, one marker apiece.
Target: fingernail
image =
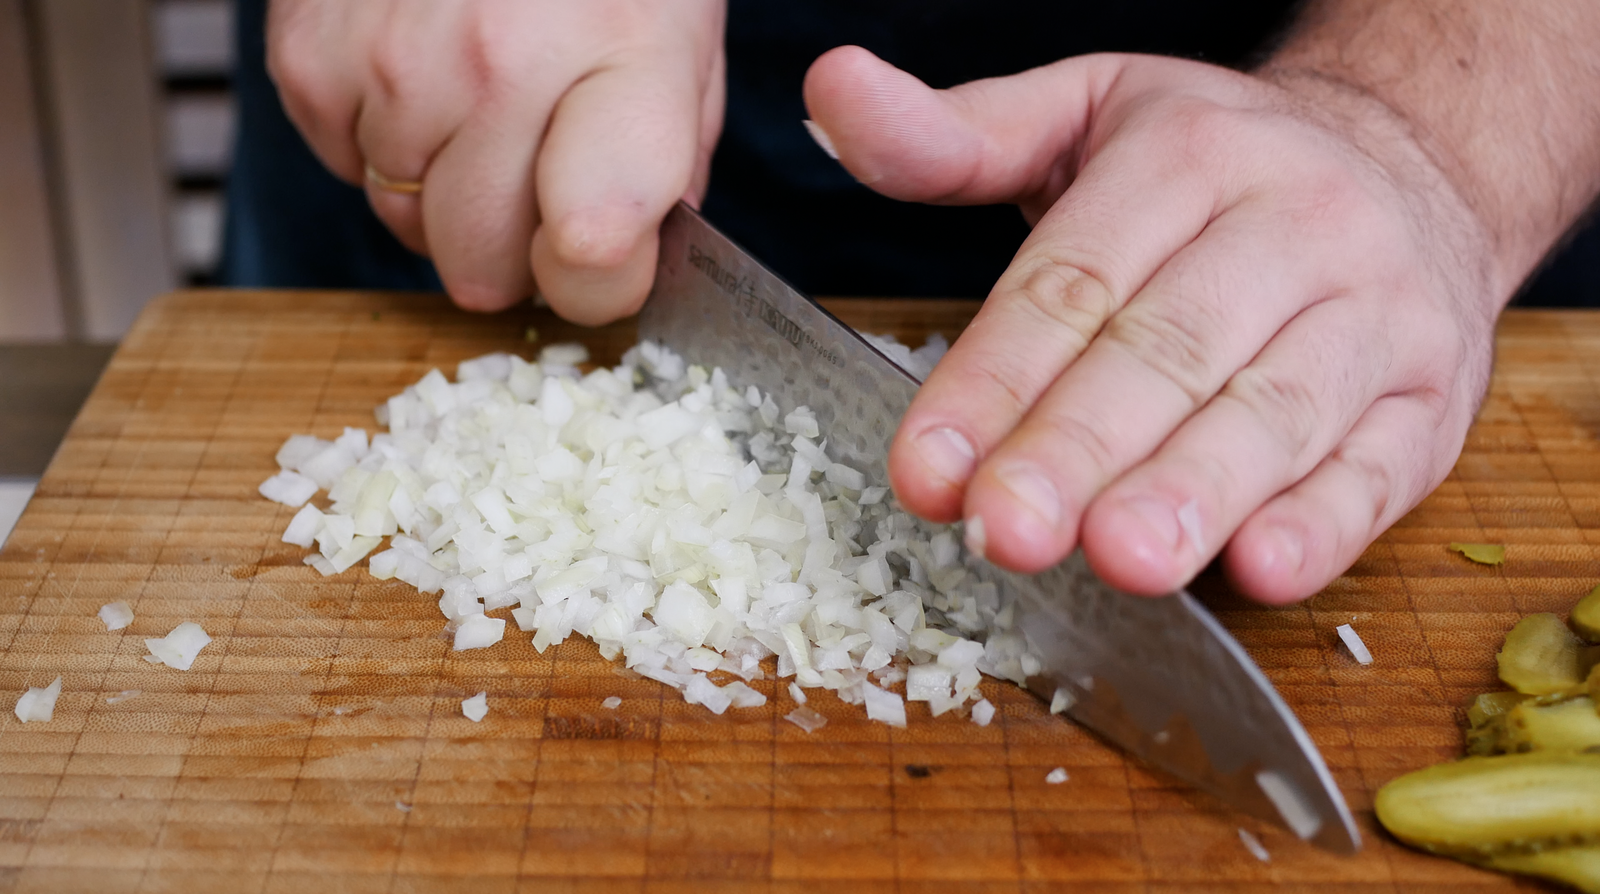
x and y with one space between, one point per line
1288 549
1034 491
947 454
977 539
822 138
1158 519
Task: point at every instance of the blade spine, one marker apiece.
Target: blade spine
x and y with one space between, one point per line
839 326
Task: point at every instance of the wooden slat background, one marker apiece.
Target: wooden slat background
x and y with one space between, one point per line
318 745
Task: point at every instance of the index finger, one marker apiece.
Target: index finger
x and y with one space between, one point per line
1082 263
623 146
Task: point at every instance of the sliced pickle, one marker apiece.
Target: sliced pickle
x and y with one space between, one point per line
1541 656
1482 553
1487 717
1569 724
1493 704
1586 616
1486 805
1576 866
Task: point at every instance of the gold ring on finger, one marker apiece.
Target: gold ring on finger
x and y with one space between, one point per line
388 184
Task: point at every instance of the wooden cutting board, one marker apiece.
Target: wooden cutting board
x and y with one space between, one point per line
318 742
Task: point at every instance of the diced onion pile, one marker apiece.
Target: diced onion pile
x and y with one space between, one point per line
683 524
918 362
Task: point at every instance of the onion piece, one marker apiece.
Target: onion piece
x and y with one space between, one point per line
179 648
289 488
478 631
1353 642
806 719
884 706
982 712
1056 776
39 703
476 707
304 527
742 696
611 703
116 615
1062 701
1253 845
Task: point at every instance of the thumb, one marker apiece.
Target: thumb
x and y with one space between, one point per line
988 141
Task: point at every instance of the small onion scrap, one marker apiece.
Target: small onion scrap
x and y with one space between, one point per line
116 615
1353 642
39 703
982 712
476 707
179 648
1253 845
686 526
806 719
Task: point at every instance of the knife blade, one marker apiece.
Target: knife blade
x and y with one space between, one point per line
1159 677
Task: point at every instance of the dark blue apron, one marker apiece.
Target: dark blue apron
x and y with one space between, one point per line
290 223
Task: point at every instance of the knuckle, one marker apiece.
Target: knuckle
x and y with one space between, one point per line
1379 479
1196 134
1322 201
393 64
495 57
1000 375
482 296
295 72
1085 435
1288 407
1173 342
588 242
1069 299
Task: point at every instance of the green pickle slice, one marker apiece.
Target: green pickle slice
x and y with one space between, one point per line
1482 553
1528 800
1569 724
1586 616
1482 806
1576 866
1541 656
1487 716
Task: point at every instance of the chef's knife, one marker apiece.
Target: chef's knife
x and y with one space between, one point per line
1159 677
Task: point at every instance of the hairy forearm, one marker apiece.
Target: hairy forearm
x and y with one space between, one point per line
1503 96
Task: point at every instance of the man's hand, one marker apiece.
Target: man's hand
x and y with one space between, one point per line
550 138
1255 314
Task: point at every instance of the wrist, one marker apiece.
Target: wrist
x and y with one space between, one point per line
1497 95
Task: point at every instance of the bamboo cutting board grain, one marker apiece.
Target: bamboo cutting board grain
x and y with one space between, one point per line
318 743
